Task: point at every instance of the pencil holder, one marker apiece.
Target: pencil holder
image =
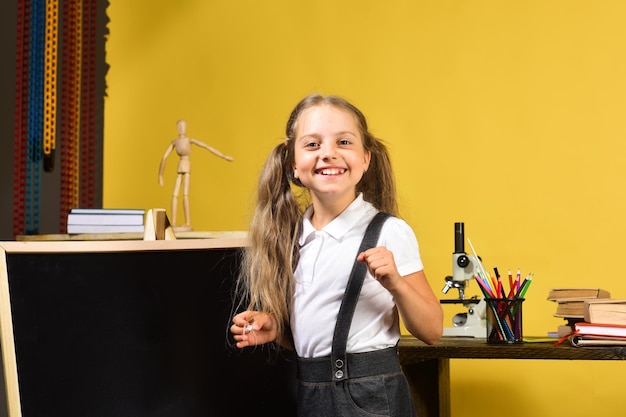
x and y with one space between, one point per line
504 320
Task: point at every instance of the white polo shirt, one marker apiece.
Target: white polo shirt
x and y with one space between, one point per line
326 260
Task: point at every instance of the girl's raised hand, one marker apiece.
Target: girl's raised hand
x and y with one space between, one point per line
381 264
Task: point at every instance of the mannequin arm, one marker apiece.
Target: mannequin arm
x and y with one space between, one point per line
212 150
162 165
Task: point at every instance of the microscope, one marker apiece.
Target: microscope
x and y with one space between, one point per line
470 323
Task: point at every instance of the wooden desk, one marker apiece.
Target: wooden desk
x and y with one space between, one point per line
111 327
428 367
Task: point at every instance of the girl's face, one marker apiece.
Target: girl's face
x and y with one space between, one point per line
329 158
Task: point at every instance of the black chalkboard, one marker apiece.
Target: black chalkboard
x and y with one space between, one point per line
137 333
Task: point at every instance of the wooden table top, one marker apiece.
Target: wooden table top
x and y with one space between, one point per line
413 350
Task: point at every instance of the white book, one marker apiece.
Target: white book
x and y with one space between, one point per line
111 219
107 211
103 228
600 329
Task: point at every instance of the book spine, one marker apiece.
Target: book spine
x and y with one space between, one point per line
80 228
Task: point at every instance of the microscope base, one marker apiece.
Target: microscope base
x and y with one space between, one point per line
469 324
477 332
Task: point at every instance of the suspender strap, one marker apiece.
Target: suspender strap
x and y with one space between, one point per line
350 298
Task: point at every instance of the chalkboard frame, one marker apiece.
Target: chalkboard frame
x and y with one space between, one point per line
273 371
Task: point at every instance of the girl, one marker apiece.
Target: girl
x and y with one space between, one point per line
300 256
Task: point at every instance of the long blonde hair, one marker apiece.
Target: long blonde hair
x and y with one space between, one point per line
266 277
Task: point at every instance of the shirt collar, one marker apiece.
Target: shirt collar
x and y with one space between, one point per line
340 225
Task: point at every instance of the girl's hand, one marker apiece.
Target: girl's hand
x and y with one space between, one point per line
418 306
251 328
381 265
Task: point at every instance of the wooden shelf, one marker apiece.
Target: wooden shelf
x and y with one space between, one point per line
132 236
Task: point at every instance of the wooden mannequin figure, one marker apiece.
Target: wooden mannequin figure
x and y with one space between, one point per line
182 144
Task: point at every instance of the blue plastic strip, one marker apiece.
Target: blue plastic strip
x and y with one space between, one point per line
35 115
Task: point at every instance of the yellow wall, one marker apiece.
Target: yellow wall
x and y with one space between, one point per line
505 115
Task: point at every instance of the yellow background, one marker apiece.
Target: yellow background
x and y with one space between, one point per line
505 115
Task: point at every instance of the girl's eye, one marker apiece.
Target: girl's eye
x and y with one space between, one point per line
344 141
312 145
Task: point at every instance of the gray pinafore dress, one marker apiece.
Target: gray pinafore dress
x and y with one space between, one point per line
354 384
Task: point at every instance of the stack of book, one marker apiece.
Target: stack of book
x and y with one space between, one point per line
604 324
570 305
82 220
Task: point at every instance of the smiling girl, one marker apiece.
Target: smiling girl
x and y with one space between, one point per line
302 249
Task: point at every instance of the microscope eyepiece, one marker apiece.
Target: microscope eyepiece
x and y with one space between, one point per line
459 238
